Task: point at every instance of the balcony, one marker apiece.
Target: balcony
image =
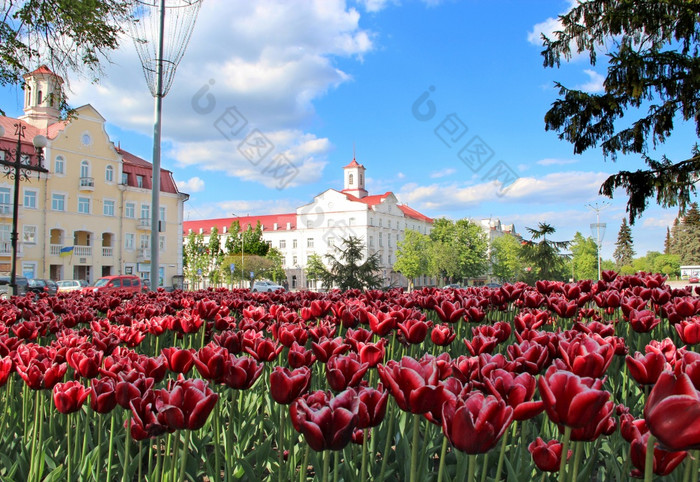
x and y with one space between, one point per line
144 223
5 210
6 249
107 251
82 251
87 184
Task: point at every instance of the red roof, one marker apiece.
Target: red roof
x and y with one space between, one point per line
30 131
412 213
43 69
379 198
354 164
135 166
268 223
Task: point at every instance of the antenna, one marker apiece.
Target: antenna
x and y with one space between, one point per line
596 227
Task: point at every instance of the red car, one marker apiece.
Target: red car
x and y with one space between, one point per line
118 282
694 279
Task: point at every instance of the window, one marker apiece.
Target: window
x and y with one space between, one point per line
29 199
5 206
2 155
294 243
109 174
129 241
59 166
125 178
145 211
139 181
83 205
350 179
310 242
295 260
381 241
130 210
161 242
161 213
283 243
371 240
331 241
108 208
58 202
145 241
29 234
5 233
351 222
84 169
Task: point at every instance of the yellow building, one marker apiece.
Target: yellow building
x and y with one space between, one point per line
90 215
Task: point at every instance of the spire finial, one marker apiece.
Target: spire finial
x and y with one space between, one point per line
353 151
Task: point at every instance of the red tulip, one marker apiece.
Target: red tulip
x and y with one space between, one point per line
155 368
329 427
288 385
103 397
144 419
442 335
449 312
185 404
372 407
672 411
372 353
131 385
298 356
264 349
211 361
231 340
665 347
569 399
601 423
242 372
381 323
643 321
475 424
481 344
516 391
325 348
645 369
85 362
208 309
414 330
6 369
291 333
179 360
664 461
530 357
585 357
689 331
547 456
70 396
344 371
413 385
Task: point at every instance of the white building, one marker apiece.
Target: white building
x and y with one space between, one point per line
315 228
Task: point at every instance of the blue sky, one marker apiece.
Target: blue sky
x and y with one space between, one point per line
319 79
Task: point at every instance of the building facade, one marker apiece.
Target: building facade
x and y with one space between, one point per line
318 227
90 214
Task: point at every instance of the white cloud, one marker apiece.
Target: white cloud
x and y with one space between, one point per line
546 28
270 59
442 173
556 162
594 84
374 6
663 220
194 184
230 208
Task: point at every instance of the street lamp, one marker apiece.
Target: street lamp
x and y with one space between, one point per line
17 170
241 231
597 227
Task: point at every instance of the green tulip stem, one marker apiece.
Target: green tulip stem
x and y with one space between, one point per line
111 446
204 334
564 454
363 465
326 464
686 470
696 464
280 447
578 453
40 444
443 452
217 441
83 453
99 447
414 447
127 448
69 457
471 468
389 438
649 459
33 453
484 467
501 454
159 462
336 463
76 439
305 461
185 452
140 473
173 457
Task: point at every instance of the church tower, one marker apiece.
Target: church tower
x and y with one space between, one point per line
354 179
43 96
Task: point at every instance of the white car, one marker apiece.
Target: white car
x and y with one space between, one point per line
66 285
266 286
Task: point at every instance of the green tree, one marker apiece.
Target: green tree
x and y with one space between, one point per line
215 257
686 237
460 249
195 258
653 79
507 263
412 256
543 256
624 252
317 271
668 242
67 35
347 268
276 271
668 264
233 239
584 257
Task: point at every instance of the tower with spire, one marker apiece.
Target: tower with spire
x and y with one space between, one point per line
43 95
354 179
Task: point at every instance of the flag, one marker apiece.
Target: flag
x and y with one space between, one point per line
66 251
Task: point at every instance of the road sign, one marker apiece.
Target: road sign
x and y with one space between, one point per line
232 267
252 275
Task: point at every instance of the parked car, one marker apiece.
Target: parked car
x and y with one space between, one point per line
453 286
694 279
39 286
66 285
21 282
116 282
266 286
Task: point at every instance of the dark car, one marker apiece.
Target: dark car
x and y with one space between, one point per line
39 286
21 282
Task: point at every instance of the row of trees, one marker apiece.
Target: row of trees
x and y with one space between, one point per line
246 251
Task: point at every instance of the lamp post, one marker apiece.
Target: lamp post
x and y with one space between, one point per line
241 231
596 228
16 170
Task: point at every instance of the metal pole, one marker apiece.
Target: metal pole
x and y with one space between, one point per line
597 245
155 178
14 236
242 282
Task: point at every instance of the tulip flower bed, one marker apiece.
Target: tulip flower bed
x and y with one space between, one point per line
474 384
